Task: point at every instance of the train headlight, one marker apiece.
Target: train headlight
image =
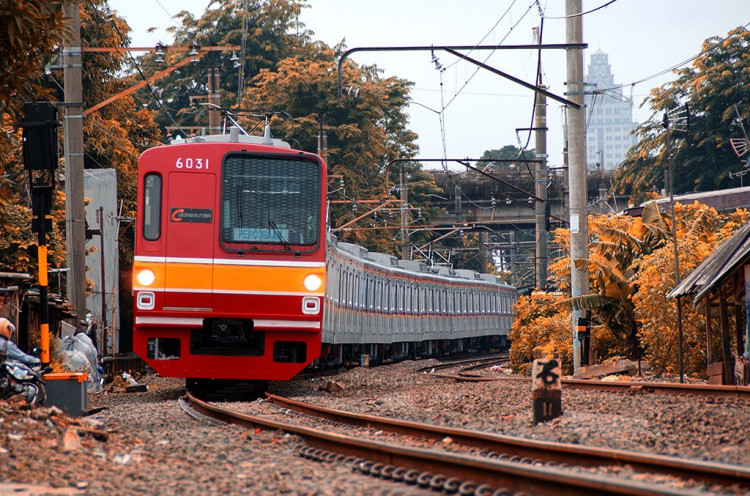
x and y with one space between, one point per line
146 277
312 282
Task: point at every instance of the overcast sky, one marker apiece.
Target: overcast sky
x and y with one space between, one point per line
480 110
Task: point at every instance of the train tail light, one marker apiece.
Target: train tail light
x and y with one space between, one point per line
310 305
145 300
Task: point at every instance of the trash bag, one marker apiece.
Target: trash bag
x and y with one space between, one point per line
82 344
58 351
76 361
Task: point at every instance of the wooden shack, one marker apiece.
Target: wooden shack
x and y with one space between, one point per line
13 287
721 283
19 302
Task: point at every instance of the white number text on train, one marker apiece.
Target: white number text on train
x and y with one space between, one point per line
191 163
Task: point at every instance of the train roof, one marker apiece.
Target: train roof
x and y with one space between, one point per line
415 266
234 137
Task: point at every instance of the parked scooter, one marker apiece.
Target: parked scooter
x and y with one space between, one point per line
20 374
19 379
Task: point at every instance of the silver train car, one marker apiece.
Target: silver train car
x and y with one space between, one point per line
378 307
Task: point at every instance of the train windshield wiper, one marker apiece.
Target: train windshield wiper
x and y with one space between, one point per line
272 225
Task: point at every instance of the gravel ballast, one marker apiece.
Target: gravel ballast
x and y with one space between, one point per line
143 443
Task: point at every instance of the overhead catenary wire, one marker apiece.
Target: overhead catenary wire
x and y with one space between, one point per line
510 31
138 68
171 17
672 67
581 14
486 35
441 69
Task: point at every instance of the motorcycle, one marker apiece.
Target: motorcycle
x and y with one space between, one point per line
19 379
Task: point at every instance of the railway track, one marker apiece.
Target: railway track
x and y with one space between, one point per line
713 392
495 463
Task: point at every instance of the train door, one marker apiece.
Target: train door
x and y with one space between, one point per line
190 240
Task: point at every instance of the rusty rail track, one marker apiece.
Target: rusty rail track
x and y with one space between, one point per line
516 449
436 468
716 392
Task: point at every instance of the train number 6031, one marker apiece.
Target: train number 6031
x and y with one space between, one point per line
191 163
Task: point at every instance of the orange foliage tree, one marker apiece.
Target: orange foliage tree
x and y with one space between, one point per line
631 270
541 330
700 229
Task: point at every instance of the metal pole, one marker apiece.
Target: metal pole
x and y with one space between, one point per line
676 254
75 215
43 283
100 218
214 100
540 179
579 232
404 215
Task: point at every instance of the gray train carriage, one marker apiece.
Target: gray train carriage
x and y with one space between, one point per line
384 308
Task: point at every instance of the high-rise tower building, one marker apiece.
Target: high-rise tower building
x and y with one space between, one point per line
609 117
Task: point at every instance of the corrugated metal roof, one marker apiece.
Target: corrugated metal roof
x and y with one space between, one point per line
712 272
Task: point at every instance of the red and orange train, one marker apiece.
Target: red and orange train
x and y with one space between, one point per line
235 276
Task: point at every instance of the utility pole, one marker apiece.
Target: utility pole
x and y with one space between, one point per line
75 215
405 255
579 230
214 101
322 139
540 179
100 218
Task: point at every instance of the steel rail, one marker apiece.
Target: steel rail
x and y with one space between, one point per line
494 473
544 451
710 390
464 375
719 392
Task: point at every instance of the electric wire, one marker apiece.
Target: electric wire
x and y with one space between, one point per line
441 69
486 35
138 68
171 17
581 14
675 66
510 31
98 123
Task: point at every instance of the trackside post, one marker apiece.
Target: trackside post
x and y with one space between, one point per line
546 390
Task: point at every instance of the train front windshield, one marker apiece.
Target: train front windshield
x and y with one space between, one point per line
270 200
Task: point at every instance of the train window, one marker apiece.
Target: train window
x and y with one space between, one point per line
358 294
353 293
342 286
152 207
270 200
